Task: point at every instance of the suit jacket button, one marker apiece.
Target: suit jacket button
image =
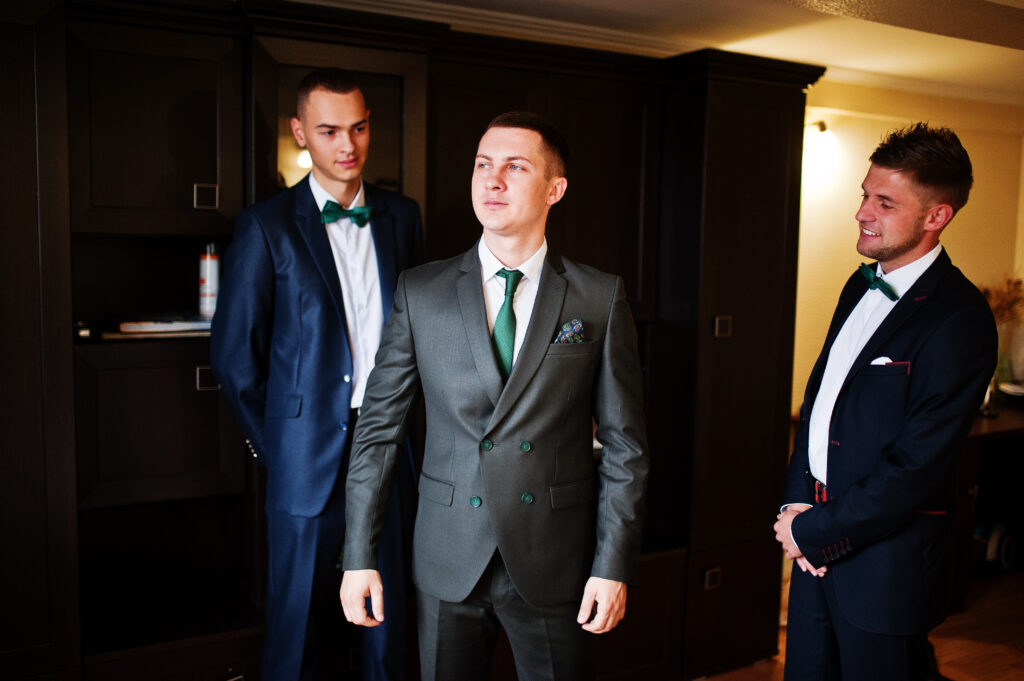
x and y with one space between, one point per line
347 378
525 445
487 446
527 498
344 426
475 502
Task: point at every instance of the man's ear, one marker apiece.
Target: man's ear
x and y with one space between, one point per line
557 190
297 131
938 216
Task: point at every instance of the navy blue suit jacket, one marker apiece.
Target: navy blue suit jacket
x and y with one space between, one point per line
895 437
279 342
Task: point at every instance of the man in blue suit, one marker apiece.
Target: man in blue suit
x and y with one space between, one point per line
888 404
308 283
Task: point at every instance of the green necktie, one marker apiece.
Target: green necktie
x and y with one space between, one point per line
505 322
332 211
875 281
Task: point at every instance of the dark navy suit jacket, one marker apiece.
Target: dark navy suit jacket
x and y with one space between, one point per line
895 437
279 343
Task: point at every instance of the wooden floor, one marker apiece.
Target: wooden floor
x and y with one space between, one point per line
984 643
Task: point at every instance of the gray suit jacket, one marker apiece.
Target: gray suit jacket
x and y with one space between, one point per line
509 468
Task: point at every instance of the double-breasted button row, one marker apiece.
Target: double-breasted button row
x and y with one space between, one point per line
524 446
525 497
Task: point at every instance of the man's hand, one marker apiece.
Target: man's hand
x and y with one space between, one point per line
784 535
356 585
610 597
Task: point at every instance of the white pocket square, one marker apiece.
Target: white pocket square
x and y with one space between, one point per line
881 360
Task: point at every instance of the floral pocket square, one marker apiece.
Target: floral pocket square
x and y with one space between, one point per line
571 332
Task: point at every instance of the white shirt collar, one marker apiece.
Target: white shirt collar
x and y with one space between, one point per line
902 278
531 268
321 195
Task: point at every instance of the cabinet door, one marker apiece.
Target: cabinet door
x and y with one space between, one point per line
746 308
608 217
38 600
151 424
155 130
732 607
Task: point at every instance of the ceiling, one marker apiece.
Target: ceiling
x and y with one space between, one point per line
972 49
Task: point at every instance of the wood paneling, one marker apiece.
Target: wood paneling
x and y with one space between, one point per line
38 630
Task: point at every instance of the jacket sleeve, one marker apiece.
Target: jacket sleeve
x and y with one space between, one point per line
380 434
623 466
241 328
799 487
948 379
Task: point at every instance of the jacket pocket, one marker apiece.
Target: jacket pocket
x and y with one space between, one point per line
437 491
584 349
572 494
283 406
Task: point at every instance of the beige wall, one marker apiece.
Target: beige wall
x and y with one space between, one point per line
986 239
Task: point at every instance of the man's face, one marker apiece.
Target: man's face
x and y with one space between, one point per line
335 128
510 188
892 218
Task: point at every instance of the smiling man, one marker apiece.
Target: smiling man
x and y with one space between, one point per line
517 351
869 491
307 286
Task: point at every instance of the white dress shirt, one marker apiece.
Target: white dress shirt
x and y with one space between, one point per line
356 261
525 295
869 313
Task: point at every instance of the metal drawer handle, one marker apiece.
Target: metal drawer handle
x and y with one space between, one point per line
205 379
712 578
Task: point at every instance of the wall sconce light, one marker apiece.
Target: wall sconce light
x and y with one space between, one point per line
821 154
303 159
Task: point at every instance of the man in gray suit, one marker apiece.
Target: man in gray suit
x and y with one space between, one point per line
518 351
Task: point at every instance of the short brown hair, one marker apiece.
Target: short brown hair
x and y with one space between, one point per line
331 79
554 142
933 157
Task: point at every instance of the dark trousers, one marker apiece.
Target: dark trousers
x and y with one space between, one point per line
822 645
457 639
307 638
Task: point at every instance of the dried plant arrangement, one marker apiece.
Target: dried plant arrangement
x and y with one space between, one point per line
1006 298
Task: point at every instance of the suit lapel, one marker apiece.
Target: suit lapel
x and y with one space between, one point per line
382 228
474 316
908 305
539 334
307 220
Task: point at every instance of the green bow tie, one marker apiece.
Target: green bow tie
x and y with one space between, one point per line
875 281
333 211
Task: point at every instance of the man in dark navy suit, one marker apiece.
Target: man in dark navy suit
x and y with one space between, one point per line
888 404
308 283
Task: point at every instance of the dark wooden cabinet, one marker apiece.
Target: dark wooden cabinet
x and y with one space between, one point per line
730 188
169 528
